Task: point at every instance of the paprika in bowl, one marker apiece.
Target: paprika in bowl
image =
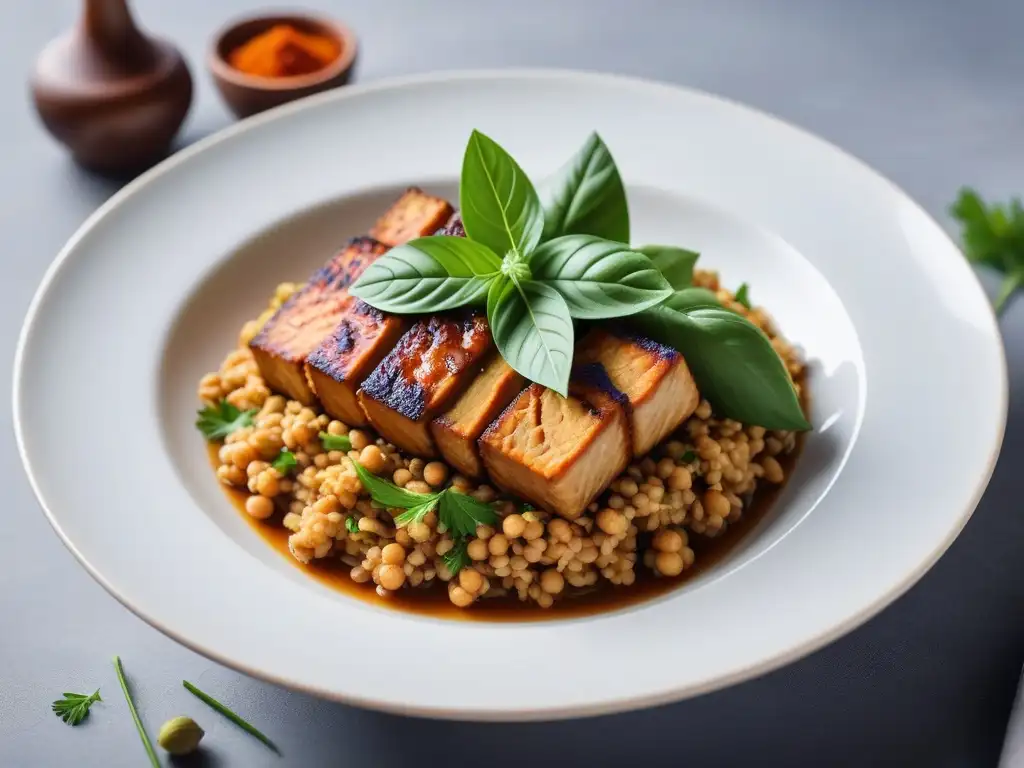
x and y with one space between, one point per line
263 62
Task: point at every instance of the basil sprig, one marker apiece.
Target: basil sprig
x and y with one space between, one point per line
542 261
586 196
532 291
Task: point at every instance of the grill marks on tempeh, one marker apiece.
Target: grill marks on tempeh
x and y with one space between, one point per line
436 385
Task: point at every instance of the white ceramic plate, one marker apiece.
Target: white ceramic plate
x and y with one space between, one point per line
908 381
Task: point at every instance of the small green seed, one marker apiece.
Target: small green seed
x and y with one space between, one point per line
180 735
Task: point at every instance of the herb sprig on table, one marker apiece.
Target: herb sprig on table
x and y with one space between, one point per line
540 262
993 235
458 512
74 707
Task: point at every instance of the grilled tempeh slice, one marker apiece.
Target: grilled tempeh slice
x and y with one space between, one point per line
415 214
347 356
456 430
560 452
302 322
428 368
662 393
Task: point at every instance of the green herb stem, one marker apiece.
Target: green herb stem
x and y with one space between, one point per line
237 720
135 715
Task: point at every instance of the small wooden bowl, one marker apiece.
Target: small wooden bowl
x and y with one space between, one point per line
248 94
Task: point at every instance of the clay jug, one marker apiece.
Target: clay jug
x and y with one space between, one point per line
113 95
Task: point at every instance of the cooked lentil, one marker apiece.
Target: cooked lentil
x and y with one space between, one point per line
696 483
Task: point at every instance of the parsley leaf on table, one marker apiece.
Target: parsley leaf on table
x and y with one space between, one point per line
74 707
218 421
993 235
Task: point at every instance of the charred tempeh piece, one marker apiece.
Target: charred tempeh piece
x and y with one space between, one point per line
429 367
415 214
348 355
560 452
302 322
457 429
662 393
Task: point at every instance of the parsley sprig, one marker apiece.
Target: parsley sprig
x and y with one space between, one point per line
74 707
218 421
993 235
458 512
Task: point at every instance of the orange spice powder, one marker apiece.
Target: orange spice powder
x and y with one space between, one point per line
284 51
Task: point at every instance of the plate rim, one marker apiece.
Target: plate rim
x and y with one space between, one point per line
618 704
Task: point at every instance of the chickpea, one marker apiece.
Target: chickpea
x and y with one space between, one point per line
418 486
513 526
772 469
259 507
470 580
680 479
611 522
435 473
497 544
359 575
716 504
560 530
708 449
669 563
393 554
665 468
668 540
477 550
229 474
392 577
416 466
401 477
552 582
459 596
418 531
534 530
359 439
267 483
372 459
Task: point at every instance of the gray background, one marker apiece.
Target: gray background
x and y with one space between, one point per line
927 91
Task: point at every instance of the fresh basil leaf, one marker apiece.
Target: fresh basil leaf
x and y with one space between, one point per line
743 295
690 298
586 196
733 362
598 278
676 264
461 513
500 208
533 331
428 274
388 494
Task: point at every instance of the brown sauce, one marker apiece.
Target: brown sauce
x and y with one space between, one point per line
603 597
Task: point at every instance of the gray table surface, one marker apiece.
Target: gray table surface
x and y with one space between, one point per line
931 93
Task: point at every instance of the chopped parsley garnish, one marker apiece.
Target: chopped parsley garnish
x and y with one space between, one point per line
351 524
218 421
335 442
458 512
457 557
743 295
285 462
